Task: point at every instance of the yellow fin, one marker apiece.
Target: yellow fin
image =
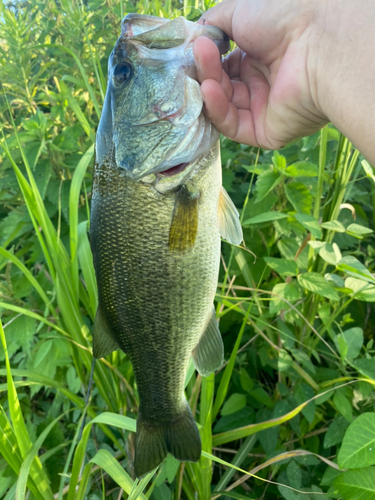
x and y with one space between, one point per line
184 225
229 220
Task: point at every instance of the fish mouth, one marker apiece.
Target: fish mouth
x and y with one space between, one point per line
177 169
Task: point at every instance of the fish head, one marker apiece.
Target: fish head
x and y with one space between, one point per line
153 118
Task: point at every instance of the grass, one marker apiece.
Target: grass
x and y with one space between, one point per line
297 319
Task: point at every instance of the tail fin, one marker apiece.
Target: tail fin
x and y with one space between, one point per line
179 437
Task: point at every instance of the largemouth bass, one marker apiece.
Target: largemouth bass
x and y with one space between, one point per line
158 210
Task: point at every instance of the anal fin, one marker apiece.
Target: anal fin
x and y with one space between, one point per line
208 355
102 338
229 220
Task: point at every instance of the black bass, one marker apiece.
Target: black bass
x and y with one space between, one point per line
158 210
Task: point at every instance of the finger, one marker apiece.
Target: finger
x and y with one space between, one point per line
233 123
207 59
221 16
232 63
240 95
208 62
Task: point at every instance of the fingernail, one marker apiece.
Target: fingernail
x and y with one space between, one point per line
202 20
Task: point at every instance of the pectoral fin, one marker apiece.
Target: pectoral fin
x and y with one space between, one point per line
102 338
184 225
229 221
208 355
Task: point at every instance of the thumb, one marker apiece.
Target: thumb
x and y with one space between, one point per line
221 16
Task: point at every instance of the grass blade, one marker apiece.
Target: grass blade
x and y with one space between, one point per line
108 463
23 439
87 266
240 456
75 189
77 110
228 436
30 457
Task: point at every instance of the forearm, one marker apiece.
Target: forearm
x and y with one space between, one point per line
345 78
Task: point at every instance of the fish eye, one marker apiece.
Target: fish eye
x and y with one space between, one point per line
123 72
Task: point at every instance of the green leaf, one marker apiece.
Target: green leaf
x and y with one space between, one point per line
285 361
287 337
330 252
261 395
43 350
342 346
294 474
287 292
361 289
343 406
246 382
299 196
358 231
366 367
234 403
333 225
315 283
304 360
283 267
265 217
336 432
266 181
310 223
316 245
370 171
302 169
355 268
353 340
279 161
357 484
358 447
171 467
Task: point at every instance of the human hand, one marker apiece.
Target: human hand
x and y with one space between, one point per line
264 93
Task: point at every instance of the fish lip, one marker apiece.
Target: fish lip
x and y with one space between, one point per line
177 169
160 172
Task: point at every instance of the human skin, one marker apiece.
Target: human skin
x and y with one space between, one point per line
299 65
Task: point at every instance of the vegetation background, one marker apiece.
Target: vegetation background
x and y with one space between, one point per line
292 413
